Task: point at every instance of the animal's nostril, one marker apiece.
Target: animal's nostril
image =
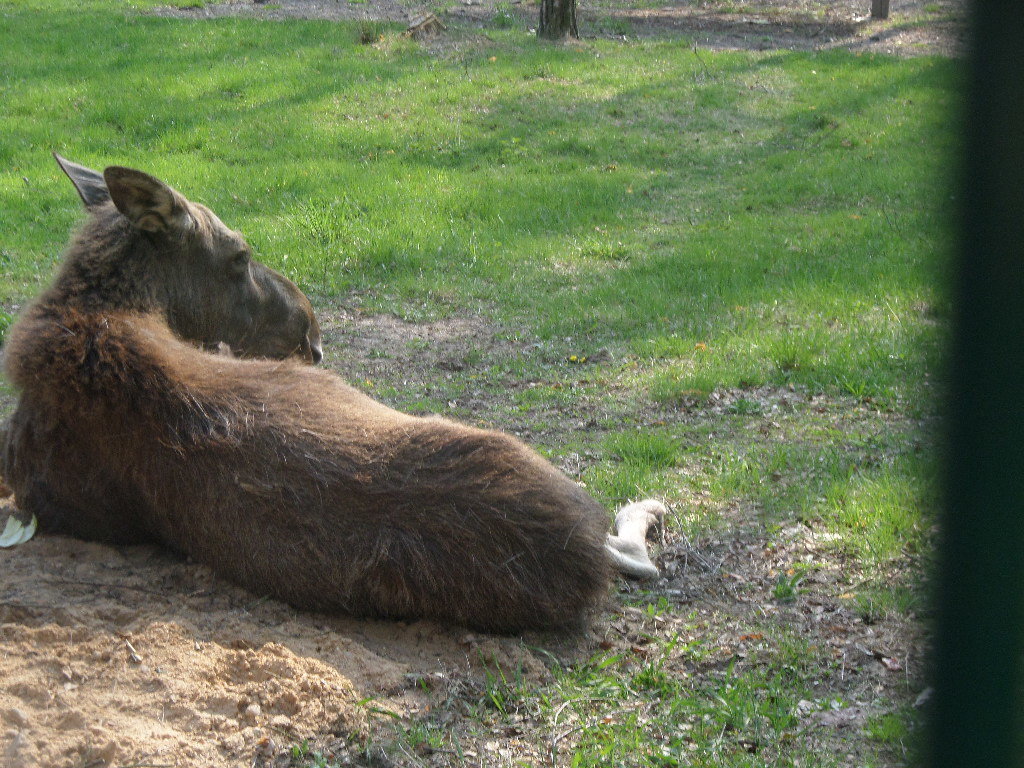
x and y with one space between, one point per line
317 352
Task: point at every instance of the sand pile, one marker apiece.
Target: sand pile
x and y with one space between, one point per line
115 656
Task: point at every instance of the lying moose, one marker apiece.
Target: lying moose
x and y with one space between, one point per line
276 474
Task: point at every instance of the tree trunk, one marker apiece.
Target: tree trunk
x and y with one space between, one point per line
557 19
879 9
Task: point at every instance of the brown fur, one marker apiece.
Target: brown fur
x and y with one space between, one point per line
278 475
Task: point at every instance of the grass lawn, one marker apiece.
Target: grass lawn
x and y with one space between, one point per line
715 278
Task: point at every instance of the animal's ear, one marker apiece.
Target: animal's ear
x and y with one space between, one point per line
89 183
148 203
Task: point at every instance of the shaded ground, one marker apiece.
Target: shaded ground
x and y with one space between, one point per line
915 27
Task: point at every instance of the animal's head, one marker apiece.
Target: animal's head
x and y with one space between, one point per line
189 265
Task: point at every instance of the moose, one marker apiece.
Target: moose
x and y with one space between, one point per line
134 425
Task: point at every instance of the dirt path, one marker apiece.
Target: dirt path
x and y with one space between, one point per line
914 28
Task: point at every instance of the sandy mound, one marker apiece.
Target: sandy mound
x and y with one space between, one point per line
128 656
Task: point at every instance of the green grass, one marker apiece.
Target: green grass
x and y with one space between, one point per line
636 469
642 708
782 210
504 17
655 228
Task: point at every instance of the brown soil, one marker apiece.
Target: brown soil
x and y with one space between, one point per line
116 656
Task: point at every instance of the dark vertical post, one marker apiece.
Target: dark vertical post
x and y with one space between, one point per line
879 9
557 19
979 637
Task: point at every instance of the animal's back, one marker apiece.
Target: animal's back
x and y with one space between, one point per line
277 475
284 478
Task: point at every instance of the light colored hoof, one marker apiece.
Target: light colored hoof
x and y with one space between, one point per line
633 520
628 547
629 560
16 532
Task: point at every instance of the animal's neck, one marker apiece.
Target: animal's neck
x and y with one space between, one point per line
105 269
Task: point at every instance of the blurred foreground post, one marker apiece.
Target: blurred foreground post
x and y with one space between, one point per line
978 665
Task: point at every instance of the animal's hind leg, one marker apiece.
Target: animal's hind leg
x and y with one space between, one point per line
13 529
628 547
15 526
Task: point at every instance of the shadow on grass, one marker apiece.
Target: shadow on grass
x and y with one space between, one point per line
637 195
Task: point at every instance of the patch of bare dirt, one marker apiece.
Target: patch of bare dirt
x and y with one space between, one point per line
387 347
129 656
914 27
331 10
434 363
